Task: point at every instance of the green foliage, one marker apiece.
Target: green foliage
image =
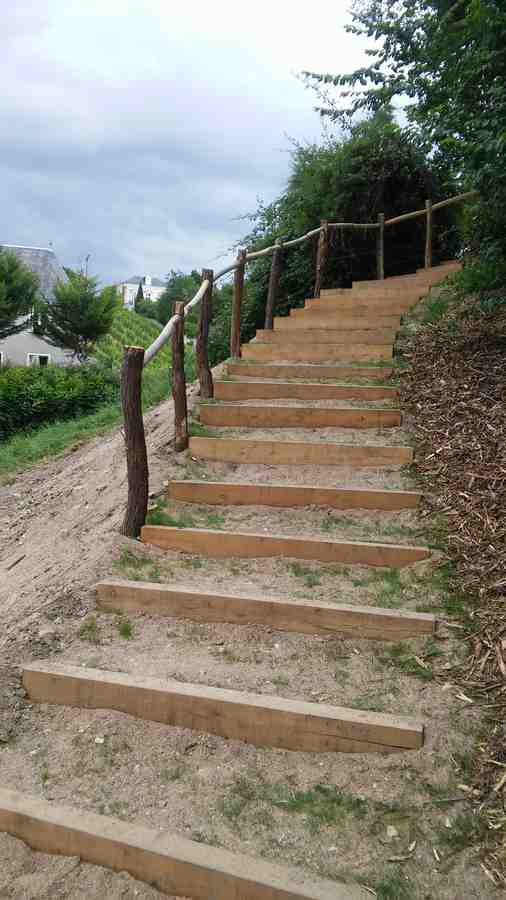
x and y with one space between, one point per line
31 397
179 288
448 59
79 315
18 293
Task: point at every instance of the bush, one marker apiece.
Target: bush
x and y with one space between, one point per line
32 397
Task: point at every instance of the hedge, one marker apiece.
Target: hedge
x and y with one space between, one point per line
33 397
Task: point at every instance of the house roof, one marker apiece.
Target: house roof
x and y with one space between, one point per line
43 262
136 279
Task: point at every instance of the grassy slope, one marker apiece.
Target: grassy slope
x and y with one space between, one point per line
24 450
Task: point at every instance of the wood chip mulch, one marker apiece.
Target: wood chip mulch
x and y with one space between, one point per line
456 393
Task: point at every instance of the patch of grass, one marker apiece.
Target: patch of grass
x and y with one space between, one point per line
213 520
394 885
196 429
41 762
90 663
89 630
117 808
125 629
280 680
372 700
129 560
204 837
158 516
176 773
467 829
311 578
194 562
400 656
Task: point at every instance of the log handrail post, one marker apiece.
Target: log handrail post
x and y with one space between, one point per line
273 284
206 314
380 248
235 324
321 256
179 382
135 442
428 234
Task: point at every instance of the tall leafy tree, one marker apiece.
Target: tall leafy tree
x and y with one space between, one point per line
80 314
18 293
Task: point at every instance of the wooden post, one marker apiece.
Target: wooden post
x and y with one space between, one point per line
235 324
428 235
380 248
321 256
135 442
273 285
179 382
206 314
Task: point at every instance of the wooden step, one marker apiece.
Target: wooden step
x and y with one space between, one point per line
302 616
169 862
221 493
299 370
232 415
290 390
343 306
302 453
217 544
298 318
322 353
263 721
376 295
315 336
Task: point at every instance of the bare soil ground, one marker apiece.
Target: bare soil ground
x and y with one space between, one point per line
398 822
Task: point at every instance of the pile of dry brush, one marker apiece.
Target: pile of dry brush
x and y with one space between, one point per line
456 390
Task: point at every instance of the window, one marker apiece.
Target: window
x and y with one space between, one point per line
38 359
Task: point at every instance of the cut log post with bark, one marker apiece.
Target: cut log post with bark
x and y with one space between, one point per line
135 442
179 382
235 325
428 234
273 285
321 257
206 314
380 248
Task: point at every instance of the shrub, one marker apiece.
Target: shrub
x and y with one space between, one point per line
32 397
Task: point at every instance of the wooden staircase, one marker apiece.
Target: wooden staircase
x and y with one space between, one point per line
338 349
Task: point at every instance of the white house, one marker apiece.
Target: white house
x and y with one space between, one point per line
150 288
26 348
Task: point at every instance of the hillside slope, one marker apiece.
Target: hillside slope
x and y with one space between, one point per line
130 328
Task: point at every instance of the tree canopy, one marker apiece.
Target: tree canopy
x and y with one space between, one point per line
79 314
18 293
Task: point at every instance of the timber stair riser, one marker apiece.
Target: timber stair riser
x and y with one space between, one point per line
231 416
219 544
286 453
325 336
363 307
302 616
277 390
299 370
263 721
300 320
287 496
173 864
322 353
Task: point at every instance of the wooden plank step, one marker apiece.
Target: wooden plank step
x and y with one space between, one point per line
290 390
169 862
326 336
376 294
231 415
302 453
257 719
220 493
299 318
300 370
323 353
302 616
248 545
363 307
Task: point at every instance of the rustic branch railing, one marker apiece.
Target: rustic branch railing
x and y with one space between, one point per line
135 358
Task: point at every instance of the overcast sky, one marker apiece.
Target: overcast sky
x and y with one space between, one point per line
139 131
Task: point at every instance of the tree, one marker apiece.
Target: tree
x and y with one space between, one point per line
79 314
447 58
18 293
146 308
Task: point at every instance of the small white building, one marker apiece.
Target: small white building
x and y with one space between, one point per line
150 289
26 348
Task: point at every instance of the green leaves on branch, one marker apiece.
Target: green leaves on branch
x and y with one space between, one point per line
18 293
79 315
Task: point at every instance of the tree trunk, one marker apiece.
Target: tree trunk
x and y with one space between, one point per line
135 442
273 285
206 314
179 381
321 257
235 324
428 235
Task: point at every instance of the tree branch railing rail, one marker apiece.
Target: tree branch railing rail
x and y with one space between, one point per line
136 358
